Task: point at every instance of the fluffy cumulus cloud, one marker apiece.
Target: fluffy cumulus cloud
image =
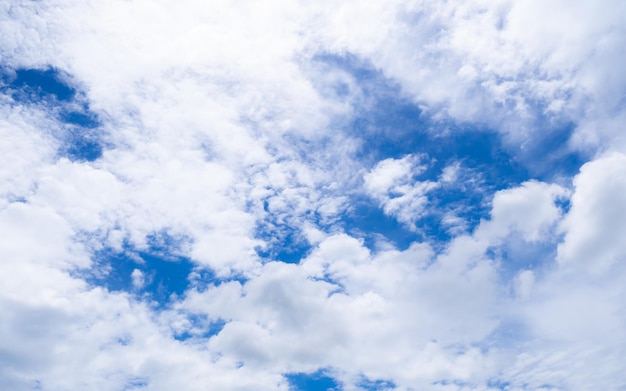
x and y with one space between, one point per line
392 183
381 195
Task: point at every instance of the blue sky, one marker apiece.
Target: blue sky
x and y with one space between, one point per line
391 195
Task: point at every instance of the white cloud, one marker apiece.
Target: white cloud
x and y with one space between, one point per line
215 121
492 61
393 183
392 172
389 306
138 278
597 217
528 210
524 282
485 61
570 309
25 148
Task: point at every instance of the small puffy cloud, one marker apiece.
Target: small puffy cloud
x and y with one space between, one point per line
450 173
393 183
529 210
138 279
388 174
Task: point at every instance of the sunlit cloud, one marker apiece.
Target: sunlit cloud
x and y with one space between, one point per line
390 195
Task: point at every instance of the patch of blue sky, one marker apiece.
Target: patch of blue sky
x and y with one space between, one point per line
290 248
202 278
28 85
366 220
200 327
498 384
510 332
166 244
282 241
390 125
564 204
338 286
410 132
375 385
136 383
81 146
550 387
50 87
316 381
454 382
465 200
85 118
393 125
162 278
13 198
348 62
547 155
162 272
518 254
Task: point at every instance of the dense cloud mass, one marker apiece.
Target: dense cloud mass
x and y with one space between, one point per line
301 196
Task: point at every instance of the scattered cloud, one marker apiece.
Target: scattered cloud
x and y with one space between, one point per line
234 196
